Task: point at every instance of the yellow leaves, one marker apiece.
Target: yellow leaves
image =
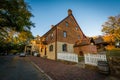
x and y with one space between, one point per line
112 18
109 38
32 41
110 47
112 26
15 37
22 36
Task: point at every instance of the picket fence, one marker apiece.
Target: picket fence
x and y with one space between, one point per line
92 59
67 57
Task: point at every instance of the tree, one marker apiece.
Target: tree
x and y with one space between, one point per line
15 40
14 21
22 38
108 38
15 14
112 27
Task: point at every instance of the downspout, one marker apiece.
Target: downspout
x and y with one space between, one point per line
56 45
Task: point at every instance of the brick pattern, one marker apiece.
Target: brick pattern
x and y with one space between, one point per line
72 33
59 71
50 38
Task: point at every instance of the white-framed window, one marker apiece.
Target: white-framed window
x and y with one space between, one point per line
78 37
66 24
41 49
51 36
76 27
64 34
51 48
64 47
46 38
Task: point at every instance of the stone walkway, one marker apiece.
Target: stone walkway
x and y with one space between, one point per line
59 71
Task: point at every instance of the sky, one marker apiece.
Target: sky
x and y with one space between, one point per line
89 14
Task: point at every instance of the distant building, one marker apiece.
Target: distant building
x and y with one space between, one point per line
99 43
106 42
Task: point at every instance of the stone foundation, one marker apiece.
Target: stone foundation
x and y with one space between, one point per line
114 63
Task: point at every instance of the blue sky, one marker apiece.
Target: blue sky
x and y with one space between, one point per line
90 14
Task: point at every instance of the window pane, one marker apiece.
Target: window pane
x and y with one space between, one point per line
78 37
67 24
51 48
41 49
46 38
64 34
51 36
76 27
64 47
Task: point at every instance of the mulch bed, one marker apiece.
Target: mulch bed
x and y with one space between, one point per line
60 71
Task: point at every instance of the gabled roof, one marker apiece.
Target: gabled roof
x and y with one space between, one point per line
98 40
54 27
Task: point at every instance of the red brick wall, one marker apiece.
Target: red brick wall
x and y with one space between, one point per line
85 49
72 33
77 50
89 49
49 38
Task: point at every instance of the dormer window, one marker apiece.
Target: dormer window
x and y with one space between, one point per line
66 24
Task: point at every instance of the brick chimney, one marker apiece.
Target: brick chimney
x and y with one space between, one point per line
69 11
52 26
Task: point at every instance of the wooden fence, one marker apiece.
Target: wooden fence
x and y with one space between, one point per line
92 59
67 57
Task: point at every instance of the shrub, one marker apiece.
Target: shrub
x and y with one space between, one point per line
13 52
80 58
113 52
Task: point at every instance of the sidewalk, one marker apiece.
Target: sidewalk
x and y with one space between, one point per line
59 71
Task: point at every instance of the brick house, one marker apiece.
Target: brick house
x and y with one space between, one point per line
64 37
